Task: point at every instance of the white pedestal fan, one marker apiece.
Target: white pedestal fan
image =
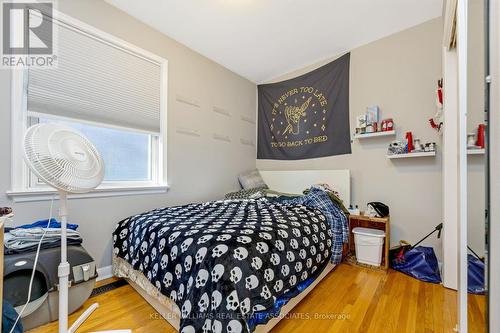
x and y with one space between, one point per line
66 160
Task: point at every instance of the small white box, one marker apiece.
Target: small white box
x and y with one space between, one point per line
369 243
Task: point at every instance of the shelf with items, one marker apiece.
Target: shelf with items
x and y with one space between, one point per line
414 154
476 141
476 151
410 147
369 125
375 134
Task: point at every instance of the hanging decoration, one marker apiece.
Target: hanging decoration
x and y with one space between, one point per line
437 121
306 117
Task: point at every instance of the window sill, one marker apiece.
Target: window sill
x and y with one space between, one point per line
102 192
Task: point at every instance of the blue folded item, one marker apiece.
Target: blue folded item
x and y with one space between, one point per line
43 224
475 278
420 263
9 316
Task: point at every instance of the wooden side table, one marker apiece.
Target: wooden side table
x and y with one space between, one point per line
380 223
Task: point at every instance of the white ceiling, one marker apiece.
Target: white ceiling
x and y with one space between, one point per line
262 39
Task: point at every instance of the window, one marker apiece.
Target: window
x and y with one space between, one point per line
128 156
111 91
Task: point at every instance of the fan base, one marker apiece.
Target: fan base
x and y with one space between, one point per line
87 314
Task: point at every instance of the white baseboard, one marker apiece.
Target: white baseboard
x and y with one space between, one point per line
104 273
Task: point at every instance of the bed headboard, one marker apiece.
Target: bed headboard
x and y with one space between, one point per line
298 180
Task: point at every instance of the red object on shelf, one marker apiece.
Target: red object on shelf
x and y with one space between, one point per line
480 136
409 140
387 125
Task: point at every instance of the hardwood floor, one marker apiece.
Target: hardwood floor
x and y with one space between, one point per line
349 299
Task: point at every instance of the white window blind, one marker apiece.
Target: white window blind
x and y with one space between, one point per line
97 81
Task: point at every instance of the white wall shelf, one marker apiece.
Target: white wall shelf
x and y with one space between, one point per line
476 151
374 135
420 154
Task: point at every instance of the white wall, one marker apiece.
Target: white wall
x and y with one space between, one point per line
200 168
450 169
475 116
399 73
494 263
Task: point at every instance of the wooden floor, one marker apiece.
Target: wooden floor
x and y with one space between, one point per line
349 299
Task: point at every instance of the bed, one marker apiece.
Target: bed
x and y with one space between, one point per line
234 265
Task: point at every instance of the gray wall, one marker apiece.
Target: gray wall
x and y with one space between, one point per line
199 168
398 73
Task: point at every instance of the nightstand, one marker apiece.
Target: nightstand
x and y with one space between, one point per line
380 223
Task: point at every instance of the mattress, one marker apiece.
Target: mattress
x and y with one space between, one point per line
122 269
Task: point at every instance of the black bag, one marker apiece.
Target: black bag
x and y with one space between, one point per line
381 208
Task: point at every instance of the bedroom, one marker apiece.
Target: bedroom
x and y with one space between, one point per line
216 69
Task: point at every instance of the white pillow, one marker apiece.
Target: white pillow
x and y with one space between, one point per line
251 179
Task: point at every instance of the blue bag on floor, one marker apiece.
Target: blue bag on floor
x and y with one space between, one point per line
475 278
420 263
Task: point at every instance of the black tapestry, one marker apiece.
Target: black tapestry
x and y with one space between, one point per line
307 116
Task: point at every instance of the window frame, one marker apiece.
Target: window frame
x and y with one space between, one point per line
23 188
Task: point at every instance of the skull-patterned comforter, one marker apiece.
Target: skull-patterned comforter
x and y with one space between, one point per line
222 261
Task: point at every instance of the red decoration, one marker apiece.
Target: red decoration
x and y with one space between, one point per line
436 122
387 125
409 140
480 136
440 91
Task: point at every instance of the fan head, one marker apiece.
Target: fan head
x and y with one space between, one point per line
63 158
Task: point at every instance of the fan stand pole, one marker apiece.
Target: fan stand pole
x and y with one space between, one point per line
63 273
63 269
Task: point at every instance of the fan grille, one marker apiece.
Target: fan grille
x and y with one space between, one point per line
63 158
